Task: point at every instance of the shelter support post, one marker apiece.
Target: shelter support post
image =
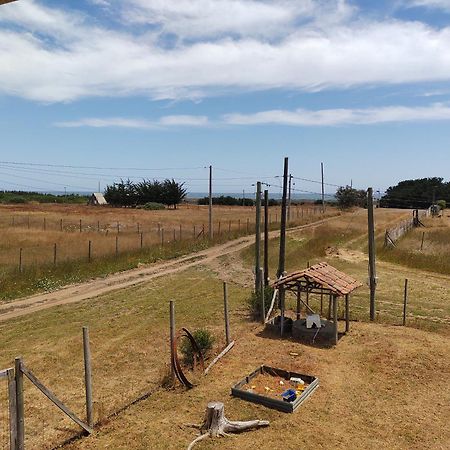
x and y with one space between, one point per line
335 318
299 300
347 314
329 307
282 297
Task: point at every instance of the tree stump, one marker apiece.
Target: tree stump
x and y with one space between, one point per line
215 424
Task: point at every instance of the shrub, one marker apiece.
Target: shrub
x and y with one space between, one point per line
16 200
254 302
153 206
205 341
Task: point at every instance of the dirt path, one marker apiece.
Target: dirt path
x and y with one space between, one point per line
99 286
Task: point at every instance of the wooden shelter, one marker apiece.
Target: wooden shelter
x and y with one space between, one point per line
320 279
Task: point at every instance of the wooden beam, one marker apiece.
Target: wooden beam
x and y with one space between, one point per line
220 355
52 397
3 2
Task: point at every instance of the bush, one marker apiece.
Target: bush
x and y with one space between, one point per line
205 341
16 200
254 302
153 206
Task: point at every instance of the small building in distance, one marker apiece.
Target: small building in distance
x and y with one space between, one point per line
97 199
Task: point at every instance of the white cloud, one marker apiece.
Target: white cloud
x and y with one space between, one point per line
438 4
299 117
52 55
120 122
339 117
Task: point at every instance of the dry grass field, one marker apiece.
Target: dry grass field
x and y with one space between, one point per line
383 386
115 241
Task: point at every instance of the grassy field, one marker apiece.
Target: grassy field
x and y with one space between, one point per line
383 386
99 225
433 255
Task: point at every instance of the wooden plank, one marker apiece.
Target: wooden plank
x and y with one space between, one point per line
52 397
219 356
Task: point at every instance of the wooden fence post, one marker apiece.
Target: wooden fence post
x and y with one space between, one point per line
44 224
89 251
54 254
12 406
181 231
60 224
262 295
162 237
81 227
219 229
20 260
239 226
142 240
19 404
172 337
248 225
174 235
117 245
138 228
118 227
225 309
347 314
405 300
88 377
98 226
195 234
229 226
423 237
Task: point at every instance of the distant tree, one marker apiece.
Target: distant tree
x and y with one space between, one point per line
226 200
418 193
173 193
348 197
442 204
121 194
149 191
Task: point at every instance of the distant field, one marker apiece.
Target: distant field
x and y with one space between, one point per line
121 238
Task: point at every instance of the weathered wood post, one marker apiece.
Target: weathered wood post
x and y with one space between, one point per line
225 309
266 237
45 224
262 294
372 268
88 377
248 225
138 228
405 300
89 251
174 235
335 318
423 237
162 237
12 408
321 301
299 299
142 240
239 226
172 336
54 254
98 226
219 229
20 260
195 232
181 231
118 227
20 427
229 227
347 314
60 225
117 246
81 226
258 237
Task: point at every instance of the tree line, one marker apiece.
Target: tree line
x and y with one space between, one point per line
129 193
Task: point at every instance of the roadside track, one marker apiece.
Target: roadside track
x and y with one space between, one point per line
100 286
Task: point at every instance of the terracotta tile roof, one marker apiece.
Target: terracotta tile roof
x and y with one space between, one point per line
327 277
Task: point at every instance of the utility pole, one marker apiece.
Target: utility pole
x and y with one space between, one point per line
281 261
323 190
289 198
211 231
258 238
372 270
266 237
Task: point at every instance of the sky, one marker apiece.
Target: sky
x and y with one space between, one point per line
97 90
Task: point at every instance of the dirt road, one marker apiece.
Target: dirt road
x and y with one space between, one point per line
100 286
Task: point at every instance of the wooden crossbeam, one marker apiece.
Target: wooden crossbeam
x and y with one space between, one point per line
3 2
52 397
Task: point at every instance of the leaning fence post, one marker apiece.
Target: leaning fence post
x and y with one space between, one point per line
12 404
225 309
172 337
88 377
405 300
19 404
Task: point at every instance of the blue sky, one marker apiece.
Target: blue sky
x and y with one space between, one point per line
154 88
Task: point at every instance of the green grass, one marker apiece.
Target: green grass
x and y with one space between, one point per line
16 197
